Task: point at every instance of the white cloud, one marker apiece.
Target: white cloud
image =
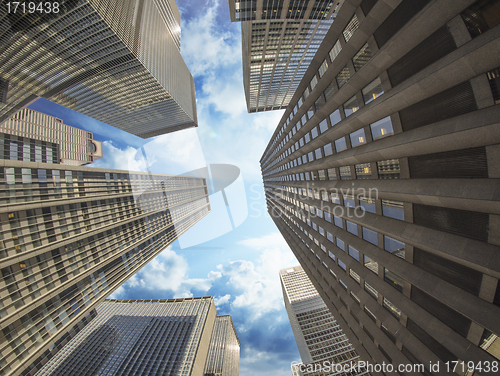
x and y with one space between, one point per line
120 159
221 300
168 272
205 46
258 284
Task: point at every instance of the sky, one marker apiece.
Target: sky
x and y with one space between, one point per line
233 254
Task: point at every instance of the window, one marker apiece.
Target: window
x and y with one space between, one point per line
370 264
340 144
351 27
358 137
370 235
323 126
351 106
343 76
335 51
395 311
394 247
337 221
393 279
335 117
332 174
323 68
371 290
327 149
321 175
342 264
331 255
317 153
389 169
362 57
352 227
354 253
367 204
363 171
393 209
372 91
382 128
355 276
345 173
349 201
340 244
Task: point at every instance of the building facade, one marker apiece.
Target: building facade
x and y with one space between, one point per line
76 146
70 236
382 177
140 337
279 41
224 352
116 61
319 338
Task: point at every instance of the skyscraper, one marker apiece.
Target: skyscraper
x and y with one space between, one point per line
140 337
319 338
382 177
224 352
70 236
279 40
117 61
76 146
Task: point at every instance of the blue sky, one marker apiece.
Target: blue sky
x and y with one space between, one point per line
240 267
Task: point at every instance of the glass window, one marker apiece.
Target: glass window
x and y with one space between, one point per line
328 217
340 144
394 246
352 227
389 169
345 173
332 174
370 264
314 132
349 201
329 236
351 27
363 171
351 106
371 290
307 138
314 82
310 155
329 91
321 175
393 209
331 255
340 244
323 68
358 137
335 117
342 264
367 204
370 236
372 91
337 221
354 253
304 119
327 149
382 128
355 276
335 51
391 308
362 57
335 198
343 76
317 153
393 279
323 126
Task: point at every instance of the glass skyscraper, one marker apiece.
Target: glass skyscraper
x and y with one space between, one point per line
140 338
117 61
70 236
319 338
382 176
224 353
279 42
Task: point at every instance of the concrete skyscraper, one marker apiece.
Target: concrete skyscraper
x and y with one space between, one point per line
75 146
383 178
319 338
140 338
279 40
70 235
117 61
224 352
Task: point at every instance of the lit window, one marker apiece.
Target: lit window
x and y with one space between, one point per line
372 91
